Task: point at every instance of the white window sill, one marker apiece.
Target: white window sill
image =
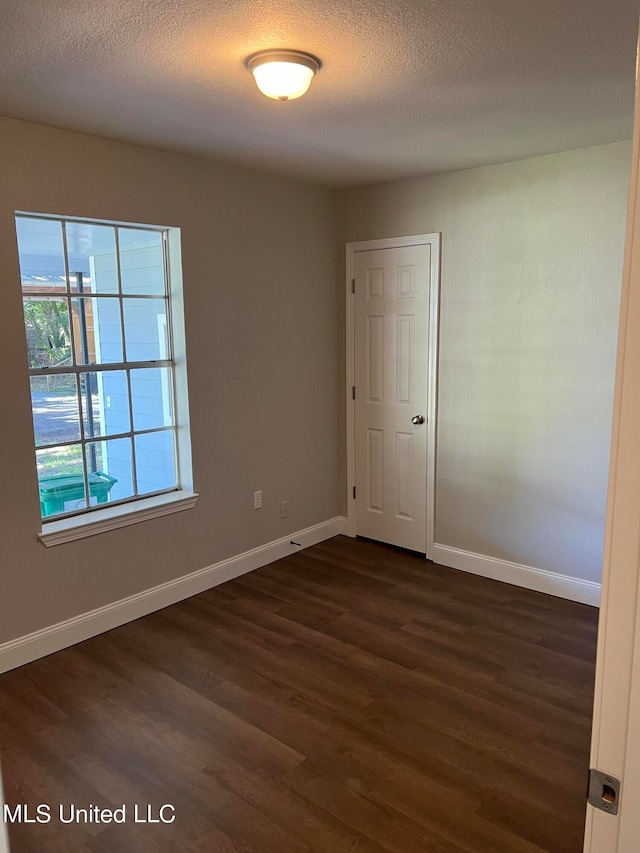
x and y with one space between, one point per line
110 518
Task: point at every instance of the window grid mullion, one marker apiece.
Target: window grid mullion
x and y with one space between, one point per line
174 396
120 302
167 301
87 496
80 410
67 292
100 438
134 467
91 295
65 253
85 475
100 368
82 220
83 454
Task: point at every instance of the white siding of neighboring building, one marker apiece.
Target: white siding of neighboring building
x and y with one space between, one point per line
146 322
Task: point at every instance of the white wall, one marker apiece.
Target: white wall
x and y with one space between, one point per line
531 277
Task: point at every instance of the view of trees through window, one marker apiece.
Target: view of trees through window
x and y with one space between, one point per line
48 333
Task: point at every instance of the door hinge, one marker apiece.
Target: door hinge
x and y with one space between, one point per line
353 392
603 792
353 285
354 492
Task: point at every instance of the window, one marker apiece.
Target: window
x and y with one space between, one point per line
108 401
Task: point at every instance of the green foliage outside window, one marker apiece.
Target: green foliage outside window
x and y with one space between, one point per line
48 332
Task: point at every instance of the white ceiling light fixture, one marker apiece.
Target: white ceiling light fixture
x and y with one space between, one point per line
283 74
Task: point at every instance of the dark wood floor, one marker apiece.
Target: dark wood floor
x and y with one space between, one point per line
348 698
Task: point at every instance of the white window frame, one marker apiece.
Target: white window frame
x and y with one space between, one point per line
93 520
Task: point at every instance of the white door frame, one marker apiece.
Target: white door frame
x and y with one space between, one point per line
615 740
432 240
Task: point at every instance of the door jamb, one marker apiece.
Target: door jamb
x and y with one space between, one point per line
615 731
432 240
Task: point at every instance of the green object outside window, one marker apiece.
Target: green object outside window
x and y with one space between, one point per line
56 491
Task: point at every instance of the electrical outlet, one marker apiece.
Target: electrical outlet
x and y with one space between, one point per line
284 509
257 500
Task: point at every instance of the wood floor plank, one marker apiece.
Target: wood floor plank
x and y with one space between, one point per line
286 804
329 741
416 795
352 697
378 822
550 831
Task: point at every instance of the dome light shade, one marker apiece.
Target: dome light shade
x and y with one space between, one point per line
283 74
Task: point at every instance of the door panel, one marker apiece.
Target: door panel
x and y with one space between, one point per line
375 471
391 373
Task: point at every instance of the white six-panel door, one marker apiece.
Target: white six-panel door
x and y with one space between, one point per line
391 374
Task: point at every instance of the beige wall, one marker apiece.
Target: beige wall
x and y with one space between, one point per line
261 306
531 276
531 271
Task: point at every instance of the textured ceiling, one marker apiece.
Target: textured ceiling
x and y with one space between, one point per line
407 86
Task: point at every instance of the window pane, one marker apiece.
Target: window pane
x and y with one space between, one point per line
145 329
141 261
54 402
41 255
91 251
105 403
97 331
111 478
47 326
155 461
152 398
60 479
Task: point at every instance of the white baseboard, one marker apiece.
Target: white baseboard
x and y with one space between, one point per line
562 586
75 630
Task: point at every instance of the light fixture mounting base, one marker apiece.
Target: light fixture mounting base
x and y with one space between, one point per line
281 55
